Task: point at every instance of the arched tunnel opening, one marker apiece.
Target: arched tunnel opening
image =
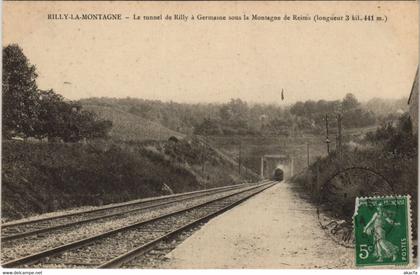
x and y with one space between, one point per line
278 174
276 167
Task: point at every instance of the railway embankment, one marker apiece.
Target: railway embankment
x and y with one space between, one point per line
40 177
382 163
113 236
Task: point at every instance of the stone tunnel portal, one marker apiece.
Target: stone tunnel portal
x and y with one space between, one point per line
269 163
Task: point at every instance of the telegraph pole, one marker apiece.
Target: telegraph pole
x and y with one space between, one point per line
307 152
203 155
327 140
336 143
240 158
292 168
340 137
262 167
317 179
202 159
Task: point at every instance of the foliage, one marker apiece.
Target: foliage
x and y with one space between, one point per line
235 110
398 141
349 103
20 93
350 108
391 151
42 177
53 176
238 117
383 107
280 125
30 112
208 127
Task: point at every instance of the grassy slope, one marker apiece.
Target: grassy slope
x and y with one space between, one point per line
127 126
44 177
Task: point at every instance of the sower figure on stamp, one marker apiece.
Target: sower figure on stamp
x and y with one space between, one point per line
383 248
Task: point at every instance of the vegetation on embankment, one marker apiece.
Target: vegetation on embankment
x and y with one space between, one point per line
238 117
253 148
41 114
130 127
41 177
391 152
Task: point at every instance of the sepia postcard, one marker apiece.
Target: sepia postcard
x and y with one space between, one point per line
209 135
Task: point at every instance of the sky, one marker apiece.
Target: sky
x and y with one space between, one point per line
207 61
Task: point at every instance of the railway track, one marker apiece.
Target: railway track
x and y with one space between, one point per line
118 246
22 247
56 236
17 230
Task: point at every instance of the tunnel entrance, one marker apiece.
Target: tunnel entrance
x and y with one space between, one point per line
278 174
274 165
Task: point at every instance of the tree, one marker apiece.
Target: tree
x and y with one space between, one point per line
280 125
85 124
350 102
50 122
396 139
30 112
208 127
225 113
298 109
20 95
236 109
67 120
100 128
354 115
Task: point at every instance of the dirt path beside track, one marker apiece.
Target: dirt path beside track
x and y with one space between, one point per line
275 229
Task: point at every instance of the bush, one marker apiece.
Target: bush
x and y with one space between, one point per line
392 154
30 112
43 177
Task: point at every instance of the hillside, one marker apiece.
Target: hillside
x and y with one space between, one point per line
42 177
383 107
238 117
129 127
137 161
